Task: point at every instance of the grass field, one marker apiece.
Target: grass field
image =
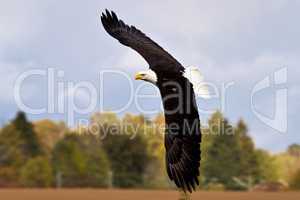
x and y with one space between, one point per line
91 194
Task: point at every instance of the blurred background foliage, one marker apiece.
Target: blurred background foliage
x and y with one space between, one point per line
128 152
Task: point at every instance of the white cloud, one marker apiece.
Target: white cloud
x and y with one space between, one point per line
9 74
19 22
131 59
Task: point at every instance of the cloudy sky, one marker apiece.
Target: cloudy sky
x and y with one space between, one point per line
246 49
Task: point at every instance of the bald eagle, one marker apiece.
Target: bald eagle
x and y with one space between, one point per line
177 86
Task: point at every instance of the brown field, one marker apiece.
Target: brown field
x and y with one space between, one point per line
93 194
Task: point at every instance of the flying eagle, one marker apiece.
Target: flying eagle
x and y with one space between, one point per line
177 86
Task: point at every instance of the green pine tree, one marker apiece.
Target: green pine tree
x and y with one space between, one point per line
31 146
249 166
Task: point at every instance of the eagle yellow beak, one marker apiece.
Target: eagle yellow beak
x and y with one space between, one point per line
138 76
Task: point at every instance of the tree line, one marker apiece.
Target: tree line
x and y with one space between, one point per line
128 152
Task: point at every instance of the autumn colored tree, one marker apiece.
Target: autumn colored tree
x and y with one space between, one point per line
11 156
294 150
49 133
223 157
288 166
125 146
128 158
295 181
268 167
79 161
36 172
155 175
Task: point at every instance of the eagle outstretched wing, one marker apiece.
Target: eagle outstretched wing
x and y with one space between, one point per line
157 58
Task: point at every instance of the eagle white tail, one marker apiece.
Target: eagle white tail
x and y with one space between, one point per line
196 78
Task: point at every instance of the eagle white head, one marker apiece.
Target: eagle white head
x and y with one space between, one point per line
192 73
147 75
